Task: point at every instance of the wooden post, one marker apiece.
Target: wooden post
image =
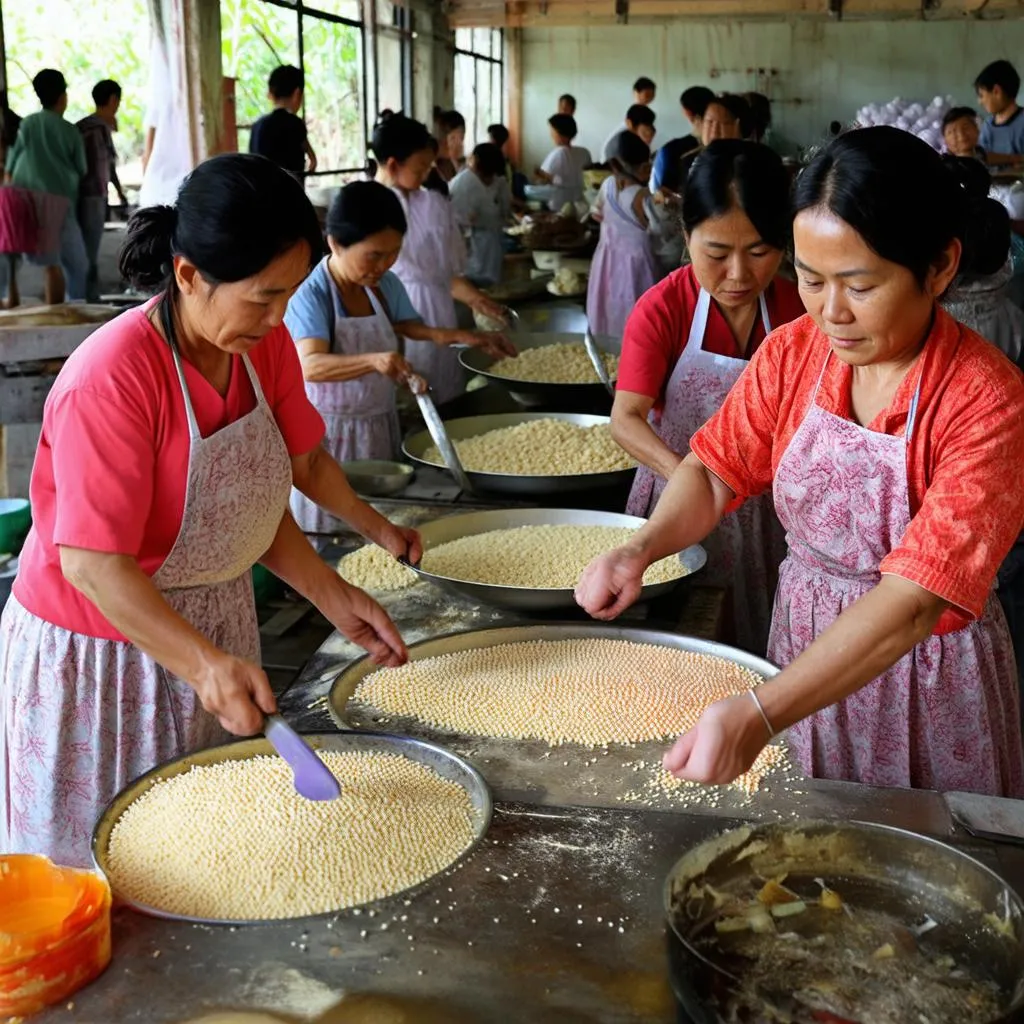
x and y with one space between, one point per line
514 92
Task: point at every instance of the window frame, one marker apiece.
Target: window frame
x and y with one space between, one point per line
479 132
369 30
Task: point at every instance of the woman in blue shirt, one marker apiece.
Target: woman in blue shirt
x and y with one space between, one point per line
346 319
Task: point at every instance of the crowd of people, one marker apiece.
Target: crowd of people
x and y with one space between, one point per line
811 382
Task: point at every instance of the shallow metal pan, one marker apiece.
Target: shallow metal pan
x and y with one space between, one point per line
447 764
358 717
450 528
506 483
530 393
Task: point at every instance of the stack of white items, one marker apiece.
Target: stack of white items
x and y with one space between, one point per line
924 121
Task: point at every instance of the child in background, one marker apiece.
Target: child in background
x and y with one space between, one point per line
1002 135
498 135
48 159
624 265
563 166
483 204
567 104
960 132
281 136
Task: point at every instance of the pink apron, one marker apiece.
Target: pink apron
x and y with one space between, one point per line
624 266
81 717
945 716
360 414
746 548
432 254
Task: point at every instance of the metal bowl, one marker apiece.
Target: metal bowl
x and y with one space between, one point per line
448 765
532 393
345 685
450 528
377 477
872 867
506 483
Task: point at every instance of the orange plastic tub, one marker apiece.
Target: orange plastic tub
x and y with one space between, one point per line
54 932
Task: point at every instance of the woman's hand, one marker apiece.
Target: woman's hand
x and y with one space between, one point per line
236 691
611 583
494 343
487 307
392 365
400 542
722 745
358 617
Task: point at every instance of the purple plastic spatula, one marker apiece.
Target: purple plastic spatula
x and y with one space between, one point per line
313 779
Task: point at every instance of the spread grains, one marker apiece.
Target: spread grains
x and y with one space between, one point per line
591 692
373 568
537 557
555 364
545 447
234 841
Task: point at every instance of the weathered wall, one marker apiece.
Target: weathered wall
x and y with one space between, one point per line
825 70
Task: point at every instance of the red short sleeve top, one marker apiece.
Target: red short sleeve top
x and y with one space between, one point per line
110 471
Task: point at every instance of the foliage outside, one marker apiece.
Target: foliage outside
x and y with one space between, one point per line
256 37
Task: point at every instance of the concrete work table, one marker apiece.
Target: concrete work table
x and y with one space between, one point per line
556 917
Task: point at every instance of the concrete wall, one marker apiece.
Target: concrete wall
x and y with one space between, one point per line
822 70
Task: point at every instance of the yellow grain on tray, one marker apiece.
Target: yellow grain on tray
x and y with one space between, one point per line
373 568
539 557
564 363
546 447
234 841
589 692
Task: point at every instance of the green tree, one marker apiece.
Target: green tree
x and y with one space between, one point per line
87 43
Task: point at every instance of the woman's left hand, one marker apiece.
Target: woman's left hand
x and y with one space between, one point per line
492 310
401 542
494 343
721 746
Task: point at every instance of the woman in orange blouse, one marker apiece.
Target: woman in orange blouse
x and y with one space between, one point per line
892 438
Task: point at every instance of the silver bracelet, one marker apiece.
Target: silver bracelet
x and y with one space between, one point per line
764 718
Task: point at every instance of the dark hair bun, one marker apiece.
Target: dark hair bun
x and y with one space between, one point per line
986 239
147 254
986 231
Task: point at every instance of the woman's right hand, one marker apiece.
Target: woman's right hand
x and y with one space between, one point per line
236 691
392 365
611 583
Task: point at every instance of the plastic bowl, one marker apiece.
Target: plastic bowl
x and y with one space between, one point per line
15 522
54 933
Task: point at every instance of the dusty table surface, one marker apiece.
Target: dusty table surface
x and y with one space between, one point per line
556 917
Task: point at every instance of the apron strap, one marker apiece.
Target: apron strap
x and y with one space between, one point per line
699 323
190 413
254 381
765 320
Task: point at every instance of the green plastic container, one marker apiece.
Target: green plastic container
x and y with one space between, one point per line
15 521
266 586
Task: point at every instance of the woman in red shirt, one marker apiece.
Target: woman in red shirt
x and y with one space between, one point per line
689 339
892 438
170 443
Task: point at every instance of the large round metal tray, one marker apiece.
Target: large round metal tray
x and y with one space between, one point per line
450 528
506 483
530 393
873 867
448 765
345 685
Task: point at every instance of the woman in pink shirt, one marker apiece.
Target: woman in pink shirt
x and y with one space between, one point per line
170 443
